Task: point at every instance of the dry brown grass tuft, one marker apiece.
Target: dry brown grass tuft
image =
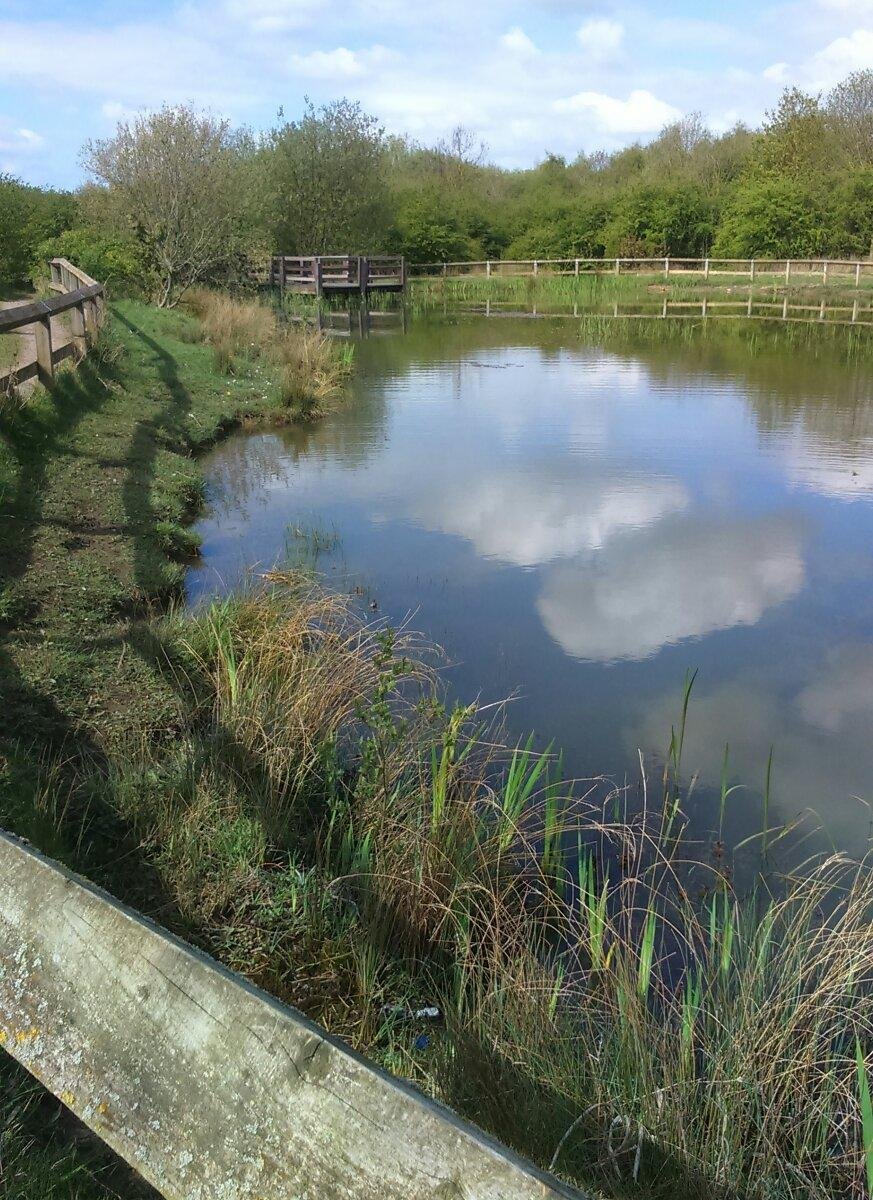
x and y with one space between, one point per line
310 368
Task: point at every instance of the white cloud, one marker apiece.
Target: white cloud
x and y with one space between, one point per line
527 518
18 140
640 113
517 42
681 580
273 16
600 37
328 64
777 73
844 54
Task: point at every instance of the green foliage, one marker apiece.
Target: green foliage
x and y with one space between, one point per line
326 189
28 216
851 215
771 218
107 257
428 233
670 219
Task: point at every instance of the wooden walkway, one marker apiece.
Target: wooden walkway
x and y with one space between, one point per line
337 274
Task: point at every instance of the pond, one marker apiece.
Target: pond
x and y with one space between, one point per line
580 513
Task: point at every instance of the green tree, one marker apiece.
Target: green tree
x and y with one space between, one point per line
851 216
428 232
771 218
176 184
667 219
326 191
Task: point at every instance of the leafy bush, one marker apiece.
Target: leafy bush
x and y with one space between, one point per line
771 218
106 257
28 216
670 219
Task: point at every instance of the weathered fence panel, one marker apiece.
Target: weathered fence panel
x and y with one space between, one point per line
337 273
81 296
208 1086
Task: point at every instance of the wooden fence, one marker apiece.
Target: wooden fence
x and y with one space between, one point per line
320 274
206 1085
81 296
750 307
822 270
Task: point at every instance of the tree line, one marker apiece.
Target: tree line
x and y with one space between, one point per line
178 197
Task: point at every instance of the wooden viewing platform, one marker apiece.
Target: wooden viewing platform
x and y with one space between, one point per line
338 274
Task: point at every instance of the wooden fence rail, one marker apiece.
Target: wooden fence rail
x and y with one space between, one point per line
824 270
206 1085
81 296
337 273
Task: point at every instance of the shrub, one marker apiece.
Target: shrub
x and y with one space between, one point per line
107 258
771 218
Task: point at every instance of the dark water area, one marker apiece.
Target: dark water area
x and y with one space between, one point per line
579 517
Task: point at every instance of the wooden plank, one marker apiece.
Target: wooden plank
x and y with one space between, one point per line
26 314
208 1086
45 367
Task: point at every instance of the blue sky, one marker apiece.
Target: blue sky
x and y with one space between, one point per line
556 75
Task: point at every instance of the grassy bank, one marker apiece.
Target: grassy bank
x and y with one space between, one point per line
97 483
278 781
592 289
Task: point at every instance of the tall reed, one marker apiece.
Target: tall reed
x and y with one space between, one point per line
611 1005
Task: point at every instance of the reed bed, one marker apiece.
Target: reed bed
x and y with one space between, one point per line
309 369
610 1005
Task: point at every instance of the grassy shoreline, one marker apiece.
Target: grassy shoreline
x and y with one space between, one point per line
279 783
591 289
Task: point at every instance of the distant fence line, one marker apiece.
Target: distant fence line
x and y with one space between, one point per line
81 296
823 269
203 1083
750 308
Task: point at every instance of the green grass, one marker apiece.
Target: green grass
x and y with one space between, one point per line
9 343
592 289
281 785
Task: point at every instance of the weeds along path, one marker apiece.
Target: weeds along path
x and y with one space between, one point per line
96 478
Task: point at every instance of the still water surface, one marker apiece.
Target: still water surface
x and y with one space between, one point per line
580 521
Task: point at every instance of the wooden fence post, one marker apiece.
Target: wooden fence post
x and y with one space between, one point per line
857 274
488 269
666 266
787 269
784 308
44 365
363 275
617 261
318 276
78 327
536 268
855 310
752 270
445 268
576 267
824 271
90 316
706 268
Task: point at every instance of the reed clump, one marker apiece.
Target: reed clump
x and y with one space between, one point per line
611 1005
306 367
